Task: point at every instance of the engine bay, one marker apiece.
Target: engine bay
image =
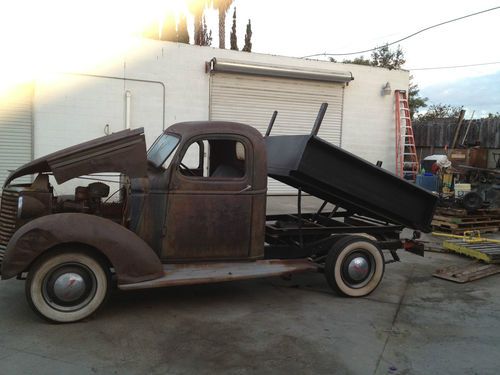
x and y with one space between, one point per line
39 199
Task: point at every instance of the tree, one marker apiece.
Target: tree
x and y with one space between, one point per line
440 111
382 57
415 101
197 8
234 39
168 30
153 31
205 34
385 58
222 7
248 38
358 60
182 31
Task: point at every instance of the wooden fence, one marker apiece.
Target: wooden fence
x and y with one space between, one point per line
440 133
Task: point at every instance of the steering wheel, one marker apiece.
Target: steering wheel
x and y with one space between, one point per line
184 168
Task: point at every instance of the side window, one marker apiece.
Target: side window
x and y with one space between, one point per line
215 158
192 157
192 163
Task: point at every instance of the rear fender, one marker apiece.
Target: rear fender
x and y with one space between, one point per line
132 258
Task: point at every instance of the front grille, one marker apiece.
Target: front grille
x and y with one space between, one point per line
8 216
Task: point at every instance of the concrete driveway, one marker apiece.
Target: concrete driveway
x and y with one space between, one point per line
412 324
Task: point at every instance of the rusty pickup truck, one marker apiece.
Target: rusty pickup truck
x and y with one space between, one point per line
192 209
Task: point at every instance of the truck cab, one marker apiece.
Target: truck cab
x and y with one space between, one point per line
205 192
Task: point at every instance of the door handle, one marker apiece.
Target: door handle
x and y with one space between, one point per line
248 187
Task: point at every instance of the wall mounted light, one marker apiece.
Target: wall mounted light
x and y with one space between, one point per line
386 89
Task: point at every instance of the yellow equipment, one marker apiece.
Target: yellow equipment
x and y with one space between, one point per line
473 245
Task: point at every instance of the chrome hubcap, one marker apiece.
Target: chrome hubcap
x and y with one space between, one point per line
358 268
69 287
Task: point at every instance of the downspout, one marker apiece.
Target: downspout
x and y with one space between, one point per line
129 79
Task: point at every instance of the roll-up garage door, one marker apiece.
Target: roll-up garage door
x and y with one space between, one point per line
16 125
252 100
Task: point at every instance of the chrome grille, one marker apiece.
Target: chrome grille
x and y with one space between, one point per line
8 216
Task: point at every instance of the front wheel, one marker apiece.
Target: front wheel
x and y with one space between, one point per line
354 266
67 286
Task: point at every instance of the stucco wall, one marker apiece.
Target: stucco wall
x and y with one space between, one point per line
80 108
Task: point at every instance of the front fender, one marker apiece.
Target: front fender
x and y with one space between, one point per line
131 257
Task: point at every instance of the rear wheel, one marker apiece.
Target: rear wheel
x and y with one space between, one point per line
354 266
67 286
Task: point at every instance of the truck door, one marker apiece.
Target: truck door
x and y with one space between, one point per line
209 211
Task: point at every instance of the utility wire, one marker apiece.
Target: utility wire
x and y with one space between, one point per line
406 37
455 66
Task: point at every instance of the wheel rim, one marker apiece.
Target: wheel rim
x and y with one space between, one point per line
69 287
358 268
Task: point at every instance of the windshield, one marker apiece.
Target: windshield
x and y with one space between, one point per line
162 149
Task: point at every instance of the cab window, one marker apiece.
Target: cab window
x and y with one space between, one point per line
214 158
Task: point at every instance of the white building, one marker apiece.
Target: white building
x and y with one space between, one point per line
164 83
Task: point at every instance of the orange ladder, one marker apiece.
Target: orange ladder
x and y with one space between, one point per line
406 151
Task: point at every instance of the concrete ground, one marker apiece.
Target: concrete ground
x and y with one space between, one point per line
412 324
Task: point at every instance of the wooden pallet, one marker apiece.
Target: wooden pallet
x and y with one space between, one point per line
467 219
470 272
457 221
463 212
461 231
467 226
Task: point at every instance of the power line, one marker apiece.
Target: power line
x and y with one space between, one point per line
406 37
456 66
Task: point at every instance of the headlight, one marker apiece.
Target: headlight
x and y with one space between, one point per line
29 207
20 206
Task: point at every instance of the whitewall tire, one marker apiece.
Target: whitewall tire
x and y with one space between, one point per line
354 266
67 286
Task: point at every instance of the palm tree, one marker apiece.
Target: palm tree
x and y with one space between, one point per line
168 30
222 6
197 8
182 31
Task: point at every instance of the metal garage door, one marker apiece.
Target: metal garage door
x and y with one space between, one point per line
16 125
252 100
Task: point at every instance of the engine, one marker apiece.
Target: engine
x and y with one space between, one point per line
87 199
22 203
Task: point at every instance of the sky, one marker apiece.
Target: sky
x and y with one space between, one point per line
338 27
46 36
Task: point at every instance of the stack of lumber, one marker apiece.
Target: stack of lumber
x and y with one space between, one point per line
458 221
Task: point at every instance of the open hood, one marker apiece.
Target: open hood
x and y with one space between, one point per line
123 152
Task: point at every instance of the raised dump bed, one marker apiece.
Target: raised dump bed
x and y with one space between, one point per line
326 171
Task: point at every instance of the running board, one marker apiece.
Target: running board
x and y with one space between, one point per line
204 273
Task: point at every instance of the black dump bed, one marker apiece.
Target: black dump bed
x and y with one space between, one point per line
323 170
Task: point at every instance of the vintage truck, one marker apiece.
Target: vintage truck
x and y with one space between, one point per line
192 209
